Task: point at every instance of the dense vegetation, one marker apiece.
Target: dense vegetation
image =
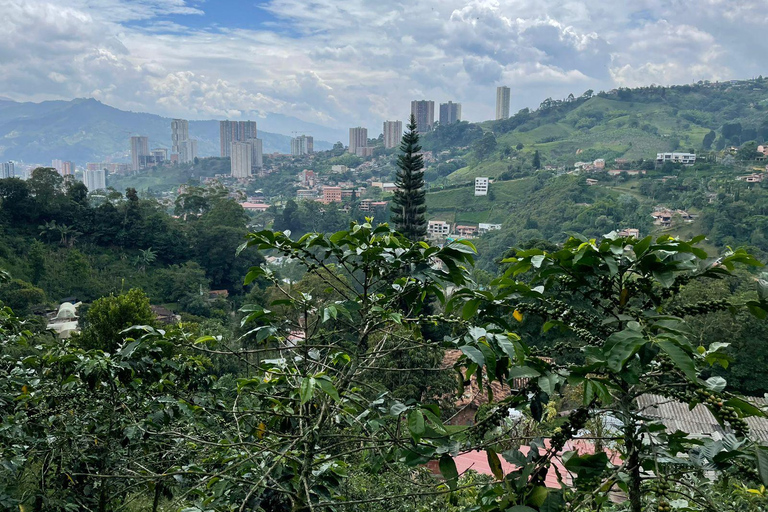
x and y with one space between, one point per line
309 369
305 410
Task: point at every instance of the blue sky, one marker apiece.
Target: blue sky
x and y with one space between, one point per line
360 62
225 14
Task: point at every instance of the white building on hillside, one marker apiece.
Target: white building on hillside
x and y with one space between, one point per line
675 158
438 229
481 186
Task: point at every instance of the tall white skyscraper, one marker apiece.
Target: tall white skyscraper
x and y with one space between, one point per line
393 133
302 145
7 170
95 179
502 102
424 112
358 138
241 154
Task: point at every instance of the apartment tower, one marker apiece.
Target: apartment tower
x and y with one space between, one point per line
502 102
235 131
424 112
450 113
393 133
358 138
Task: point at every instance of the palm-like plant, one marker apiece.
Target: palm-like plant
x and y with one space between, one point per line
68 234
48 230
145 257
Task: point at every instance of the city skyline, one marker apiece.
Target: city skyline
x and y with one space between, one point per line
182 58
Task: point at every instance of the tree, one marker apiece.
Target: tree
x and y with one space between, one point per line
108 317
409 203
610 300
36 260
709 138
536 160
21 296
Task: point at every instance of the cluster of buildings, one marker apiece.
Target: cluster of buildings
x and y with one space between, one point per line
441 230
663 216
239 142
302 145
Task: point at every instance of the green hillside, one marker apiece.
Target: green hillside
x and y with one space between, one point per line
630 124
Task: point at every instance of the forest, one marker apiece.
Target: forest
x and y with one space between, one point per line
335 381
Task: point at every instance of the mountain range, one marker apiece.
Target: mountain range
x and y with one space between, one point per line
86 130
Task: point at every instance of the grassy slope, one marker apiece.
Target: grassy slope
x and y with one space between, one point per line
626 128
461 205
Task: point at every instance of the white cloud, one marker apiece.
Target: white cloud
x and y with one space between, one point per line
362 61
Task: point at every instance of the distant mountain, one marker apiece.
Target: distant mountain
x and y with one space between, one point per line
286 125
86 130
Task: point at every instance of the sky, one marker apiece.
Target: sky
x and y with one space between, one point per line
345 63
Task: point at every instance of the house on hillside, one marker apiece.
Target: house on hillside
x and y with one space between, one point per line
675 158
752 178
663 216
465 231
438 229
484 227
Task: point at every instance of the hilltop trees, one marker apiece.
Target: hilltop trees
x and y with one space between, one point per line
409 204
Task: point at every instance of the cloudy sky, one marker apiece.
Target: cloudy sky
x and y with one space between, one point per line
349 62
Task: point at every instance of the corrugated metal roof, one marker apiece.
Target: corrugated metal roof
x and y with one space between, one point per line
676 415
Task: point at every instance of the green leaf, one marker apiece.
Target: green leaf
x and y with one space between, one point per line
520 508
328 388
448 470
762 463
306 389
474 355
621 346
495 464
716 384
538 496
679 357
470 309
416 424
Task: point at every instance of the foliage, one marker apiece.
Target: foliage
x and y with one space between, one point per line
408 204
108 317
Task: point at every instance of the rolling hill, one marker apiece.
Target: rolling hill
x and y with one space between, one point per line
625 123
86 130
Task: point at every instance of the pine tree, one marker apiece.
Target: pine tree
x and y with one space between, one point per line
409 208
536 160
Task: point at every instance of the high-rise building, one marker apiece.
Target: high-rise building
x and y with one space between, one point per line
257 153
393 133
241 154
63 167
95 179
7 170
179 133
358 138
424 112
450 113
181 144
139 149
160 155
235 131
303 145
502 102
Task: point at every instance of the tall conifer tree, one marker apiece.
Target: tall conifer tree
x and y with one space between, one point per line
409 208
